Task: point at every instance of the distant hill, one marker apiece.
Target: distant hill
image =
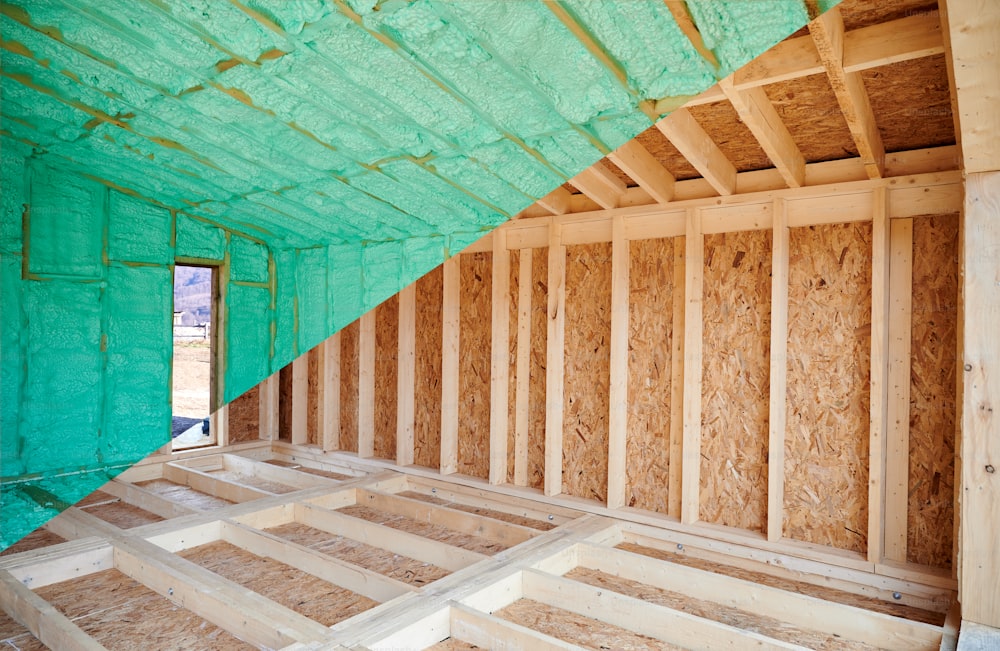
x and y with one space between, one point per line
193 292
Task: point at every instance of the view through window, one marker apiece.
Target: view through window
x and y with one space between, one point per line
194 290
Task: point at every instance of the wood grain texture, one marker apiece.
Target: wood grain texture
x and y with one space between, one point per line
386 393
933 366
475 271
349 388
536 388
515 279
312 396
735 385
244 417
829 344
427 424
587 359
651 303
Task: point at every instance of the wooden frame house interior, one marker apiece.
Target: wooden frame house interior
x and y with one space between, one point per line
728 387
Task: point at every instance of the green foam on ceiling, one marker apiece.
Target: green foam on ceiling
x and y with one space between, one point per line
323 154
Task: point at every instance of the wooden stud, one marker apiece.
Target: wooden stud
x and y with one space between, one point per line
366 384
219 425
328 396
300 399
449 366
828 33
499 359
778 410
554 371
523 386
760 116
268 409
693 279
618 391
699 149
406 376
878 411
636 161
598 183
980 489
897 460
677 349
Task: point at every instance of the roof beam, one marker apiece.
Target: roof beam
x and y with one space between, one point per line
600 184
556 202
760 116
827 32
699 149
636 161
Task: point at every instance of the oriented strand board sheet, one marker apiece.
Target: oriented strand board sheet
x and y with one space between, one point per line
474 354
427 373
122 514
35 540
244 417
386 369
736 377
515 262
536 374
440 533
15 636
349 368
312 397
587 361
576 629
933 360
808 107
829 370
651 296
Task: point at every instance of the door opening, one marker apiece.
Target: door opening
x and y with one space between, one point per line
195 334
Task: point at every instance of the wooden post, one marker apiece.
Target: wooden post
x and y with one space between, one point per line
523 387
219 425
499 358
300 399
554 355
897 459
449 366
618 391
268 408
778 414
328 395
366 384
694 277
677 383
406 375
878 410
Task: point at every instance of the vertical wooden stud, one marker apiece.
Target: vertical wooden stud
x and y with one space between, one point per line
450 312
778 413
328 396
499 358
219 425
618 388
267 411
300 399
897 459
366 384
406 375
554 356
523 386
677 383
693 285
879 370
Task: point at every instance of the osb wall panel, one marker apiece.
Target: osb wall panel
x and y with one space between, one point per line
285 403
244 417
933 361
515 267
312 397
587 361
427 374
651 288
349 387
735 381
386 371
536 374
829 350
475 328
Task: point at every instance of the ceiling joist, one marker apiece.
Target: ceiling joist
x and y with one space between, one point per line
600 184
697 146
636 161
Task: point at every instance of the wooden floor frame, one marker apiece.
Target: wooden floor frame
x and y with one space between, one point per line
460 605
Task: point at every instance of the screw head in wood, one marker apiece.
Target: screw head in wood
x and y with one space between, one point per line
897 596
990 469
968 367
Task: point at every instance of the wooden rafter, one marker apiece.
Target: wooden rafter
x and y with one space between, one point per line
636 161
690 139
600 184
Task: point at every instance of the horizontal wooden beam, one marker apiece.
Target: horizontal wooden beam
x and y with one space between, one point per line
489 632
51 627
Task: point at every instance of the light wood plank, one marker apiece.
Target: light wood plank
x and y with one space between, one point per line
557 201
700 150
760 116
218 424
451 314
366 384
212 485
523 383
778 414
618 390
406 375
677 349
489 632
636 161
268 408
50 626
691 446
554 371
499 359
328 394
878 409
897 460
600 184
828 33
300 399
